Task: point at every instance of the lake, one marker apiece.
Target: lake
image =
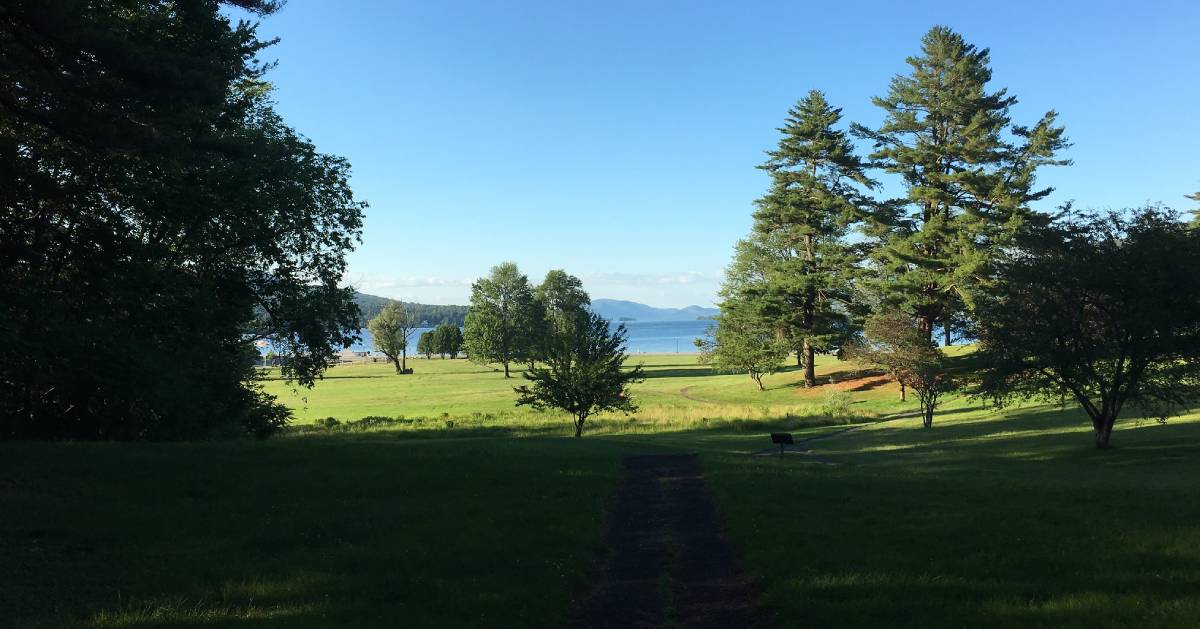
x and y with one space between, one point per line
645 337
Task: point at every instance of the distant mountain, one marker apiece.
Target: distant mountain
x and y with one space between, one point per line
370 305
621 310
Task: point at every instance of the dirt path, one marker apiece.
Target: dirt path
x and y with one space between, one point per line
666 563
686 393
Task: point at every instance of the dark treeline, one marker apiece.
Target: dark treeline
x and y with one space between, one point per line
370 306
1066 304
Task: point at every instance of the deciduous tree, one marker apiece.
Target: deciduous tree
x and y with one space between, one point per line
741 341
896 343
425 344
583 372
390 330
503 318
158 217
1101 309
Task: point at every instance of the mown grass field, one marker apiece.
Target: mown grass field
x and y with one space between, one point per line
987 519
677 393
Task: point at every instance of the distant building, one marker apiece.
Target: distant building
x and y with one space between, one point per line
349 356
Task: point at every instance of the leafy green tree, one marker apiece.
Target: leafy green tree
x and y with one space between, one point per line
425 345
969 175
741 341
1196 212
560 298
803 220
503 320
1104 310
895 343
154 204
390 330
583 371
447 339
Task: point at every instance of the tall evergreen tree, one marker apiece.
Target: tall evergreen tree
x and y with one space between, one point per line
804 219
1196 212
503 318
969 174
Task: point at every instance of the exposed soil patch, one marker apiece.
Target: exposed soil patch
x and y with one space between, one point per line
666 563
864 383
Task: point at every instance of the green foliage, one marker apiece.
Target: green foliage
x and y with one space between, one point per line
969 175
1102 309
741 342
1195 224
897 344
159 216
390 330
447 339
835 404
503 321
425 344
584 371
798 248
562 302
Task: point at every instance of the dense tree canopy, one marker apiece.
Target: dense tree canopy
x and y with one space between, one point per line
1104 310
803 220
157 216
503 320
969 177
447 339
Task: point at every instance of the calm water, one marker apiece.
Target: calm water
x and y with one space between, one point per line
645 337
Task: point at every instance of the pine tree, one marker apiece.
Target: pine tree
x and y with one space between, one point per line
969 175
1196 212
801 226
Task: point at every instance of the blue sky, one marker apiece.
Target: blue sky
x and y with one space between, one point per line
618 140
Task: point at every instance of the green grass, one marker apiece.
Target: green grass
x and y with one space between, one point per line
678 393
301 532
987 519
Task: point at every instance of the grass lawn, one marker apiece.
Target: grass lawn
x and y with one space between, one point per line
987 519
299 532
677 393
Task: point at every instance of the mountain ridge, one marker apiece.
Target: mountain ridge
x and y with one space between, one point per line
612 309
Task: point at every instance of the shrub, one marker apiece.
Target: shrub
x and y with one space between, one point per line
836 404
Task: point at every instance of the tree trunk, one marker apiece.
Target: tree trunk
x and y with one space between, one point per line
396 363
579 426
403 361
926 415
810 370
1102 427
903 392
506 369
800 357
757 380
925 324
946 332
